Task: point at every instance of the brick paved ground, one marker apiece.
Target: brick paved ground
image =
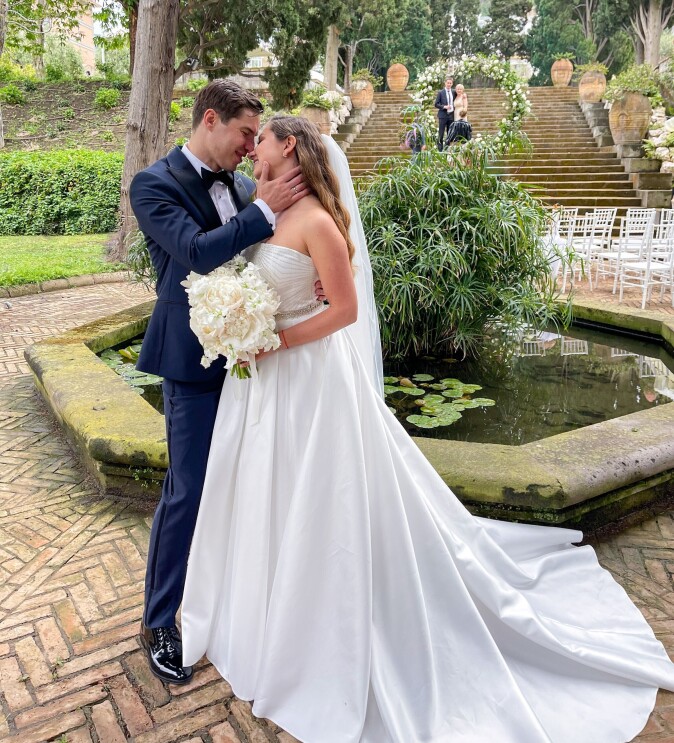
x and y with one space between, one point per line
72 564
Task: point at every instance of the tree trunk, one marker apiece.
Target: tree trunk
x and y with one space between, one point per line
133 29
638 50
653 33
4 11
331 54
151 89
348 65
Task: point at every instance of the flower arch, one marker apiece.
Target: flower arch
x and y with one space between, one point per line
517 103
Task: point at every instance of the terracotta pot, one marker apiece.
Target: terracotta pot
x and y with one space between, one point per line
629 118
397 77
319 116
592 86
561 72
361 93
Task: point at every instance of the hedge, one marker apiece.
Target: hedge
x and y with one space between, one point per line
60 192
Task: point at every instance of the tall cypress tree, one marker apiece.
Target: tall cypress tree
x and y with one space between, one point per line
503 32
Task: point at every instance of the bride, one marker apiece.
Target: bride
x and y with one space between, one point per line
335 580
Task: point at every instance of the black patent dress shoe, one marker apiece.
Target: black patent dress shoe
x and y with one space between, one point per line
164 650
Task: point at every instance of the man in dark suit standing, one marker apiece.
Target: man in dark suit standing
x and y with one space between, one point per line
444 102
196 214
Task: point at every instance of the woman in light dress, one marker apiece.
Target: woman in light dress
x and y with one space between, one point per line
337 582
461 98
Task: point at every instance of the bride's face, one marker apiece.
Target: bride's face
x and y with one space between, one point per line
271 149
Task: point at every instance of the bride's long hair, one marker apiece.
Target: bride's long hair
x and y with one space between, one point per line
312 157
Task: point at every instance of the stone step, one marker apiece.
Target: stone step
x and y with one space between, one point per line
580 194
580 177
591 202
564 167
596 185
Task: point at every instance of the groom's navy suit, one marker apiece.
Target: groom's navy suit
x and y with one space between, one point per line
184 233
445 118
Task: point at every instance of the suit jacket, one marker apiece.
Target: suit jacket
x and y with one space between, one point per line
184 233
441 101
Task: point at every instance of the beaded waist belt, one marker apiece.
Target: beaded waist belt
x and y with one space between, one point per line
299 312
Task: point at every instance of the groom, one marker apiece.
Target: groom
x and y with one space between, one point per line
196 213
444 102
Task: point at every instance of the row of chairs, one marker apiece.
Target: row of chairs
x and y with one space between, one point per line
641 256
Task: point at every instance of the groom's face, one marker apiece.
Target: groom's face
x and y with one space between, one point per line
230 142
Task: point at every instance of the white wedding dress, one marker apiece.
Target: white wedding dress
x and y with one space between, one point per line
335 580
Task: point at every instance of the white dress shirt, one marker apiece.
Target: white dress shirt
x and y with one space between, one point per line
222 196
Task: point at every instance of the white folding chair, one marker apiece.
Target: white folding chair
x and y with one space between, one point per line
558 240
662 254
628 243
637 272
573 347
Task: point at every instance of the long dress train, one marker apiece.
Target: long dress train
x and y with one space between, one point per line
335 580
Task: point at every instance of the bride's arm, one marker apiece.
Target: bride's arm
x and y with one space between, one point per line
330 255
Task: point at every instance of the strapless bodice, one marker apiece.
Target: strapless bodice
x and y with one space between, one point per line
291 273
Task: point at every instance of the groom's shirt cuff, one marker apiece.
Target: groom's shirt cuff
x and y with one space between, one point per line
268 213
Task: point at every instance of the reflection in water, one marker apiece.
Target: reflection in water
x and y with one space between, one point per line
545 383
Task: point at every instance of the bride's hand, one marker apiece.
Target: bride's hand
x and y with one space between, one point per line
320 294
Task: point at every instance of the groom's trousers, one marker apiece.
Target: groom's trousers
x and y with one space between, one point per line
190 409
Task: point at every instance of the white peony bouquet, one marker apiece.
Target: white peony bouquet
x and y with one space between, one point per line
232 314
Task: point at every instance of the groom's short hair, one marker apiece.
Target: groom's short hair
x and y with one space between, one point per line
227 99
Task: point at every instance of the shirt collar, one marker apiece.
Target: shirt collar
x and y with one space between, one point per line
194 160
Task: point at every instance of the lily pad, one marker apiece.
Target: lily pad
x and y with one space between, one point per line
484 402
391 380
389 389
431 400
470 388
423 377
453 392
424 421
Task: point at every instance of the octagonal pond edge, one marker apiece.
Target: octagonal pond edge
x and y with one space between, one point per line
582 478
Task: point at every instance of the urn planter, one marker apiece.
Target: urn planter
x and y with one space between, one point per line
397 77
629 118
319 116
561 72
361 93
591 86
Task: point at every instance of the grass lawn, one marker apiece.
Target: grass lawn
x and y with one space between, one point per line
34 258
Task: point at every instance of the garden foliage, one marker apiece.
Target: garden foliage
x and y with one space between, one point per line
59 192
454 250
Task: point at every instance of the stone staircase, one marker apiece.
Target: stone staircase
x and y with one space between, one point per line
566 167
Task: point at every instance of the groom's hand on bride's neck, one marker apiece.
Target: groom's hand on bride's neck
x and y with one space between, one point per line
281 192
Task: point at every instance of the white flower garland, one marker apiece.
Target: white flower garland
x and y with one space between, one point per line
517 103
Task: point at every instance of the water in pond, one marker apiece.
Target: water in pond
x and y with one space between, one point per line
546 383
541 385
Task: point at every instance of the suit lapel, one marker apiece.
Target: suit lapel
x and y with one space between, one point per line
181 169
240 194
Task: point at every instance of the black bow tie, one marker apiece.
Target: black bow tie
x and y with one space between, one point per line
209 178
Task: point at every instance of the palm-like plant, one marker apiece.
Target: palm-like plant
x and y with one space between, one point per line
454 249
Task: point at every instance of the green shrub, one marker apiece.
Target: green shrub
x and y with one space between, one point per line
196 85
636 79
174 111
61 61
59 192
187 101
454 250
107 98
12 94
11 72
